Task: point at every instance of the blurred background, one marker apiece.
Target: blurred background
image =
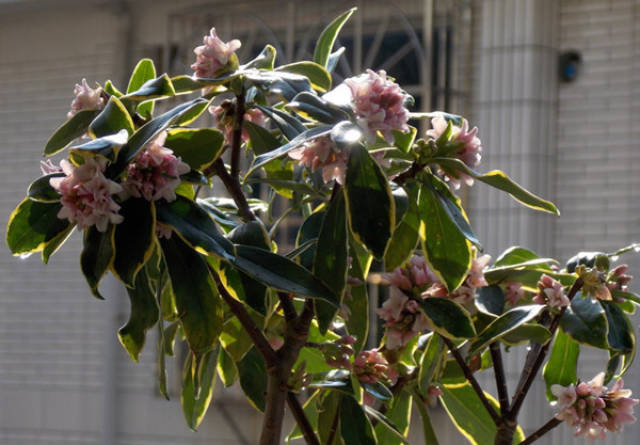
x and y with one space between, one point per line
553 85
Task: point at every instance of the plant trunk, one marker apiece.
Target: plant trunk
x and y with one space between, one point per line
274 409
505 433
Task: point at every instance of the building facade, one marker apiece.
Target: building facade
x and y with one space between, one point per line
64 379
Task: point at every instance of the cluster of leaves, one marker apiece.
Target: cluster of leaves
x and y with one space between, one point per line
219 251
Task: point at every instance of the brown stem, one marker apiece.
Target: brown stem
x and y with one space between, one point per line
301 419
501 381
287 306
274 409
408 174
237 135
233 187
258 338
505 433
536 356
472 380
544 429
334 427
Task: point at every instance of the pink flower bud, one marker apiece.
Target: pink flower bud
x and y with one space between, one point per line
86 98
213 55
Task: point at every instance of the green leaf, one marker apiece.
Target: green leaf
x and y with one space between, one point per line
144 315
378 390
96 257
452 206
490 300
526 333
284 84
55 243
227 369
133 239
515 255
430 362
111 89
325 42
152 89
501 181
143 72
196 296
358 321
147 132
195 226
404 140
445 247
303 137
398 415
355 428
198 147
72 129
621 335
334 58
32 224
330 264
197 392
40 190
405 236
504 324
448 318
105 146
264 60
253 378
262 140
387 424
235 339
288 125
329 418
561 369
310 409
311 106
113 118
161 363
370 204
585 321
318 76
281 273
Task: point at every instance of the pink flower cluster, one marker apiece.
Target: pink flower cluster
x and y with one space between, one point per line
155 172
223 115
401 311
618 278
592 410
86 98
213 55
322 153
86 194
594 283
513 292
378 103
470 151
551 293
370 366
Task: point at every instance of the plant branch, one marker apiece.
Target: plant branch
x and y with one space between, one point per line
551 424
472 380
408 174
501 381
301 419
536 356
289 310
233 187
237 135
334 427
238 309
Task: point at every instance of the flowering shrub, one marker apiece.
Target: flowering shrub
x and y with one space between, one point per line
291 321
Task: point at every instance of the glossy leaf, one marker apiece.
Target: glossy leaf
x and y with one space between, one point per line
295 142
448 318
526 333
501 181
147 132
358 321
430 362
262 140
227 370
133 239
385 422
105 146
195 226
289 125
404 140
621 335
370 204
196 296
355 428
196 398
198 147
585 321
314 107
143 316
72 129
32 224
515 255
96 257
318 76
378 390
490 300
330 264
405 236
264 60
327 38
253 378
504 324
281 273
445 247
151 89
310 409
398 415
55 243
284 84
40 190
143 72
113 118
561 368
